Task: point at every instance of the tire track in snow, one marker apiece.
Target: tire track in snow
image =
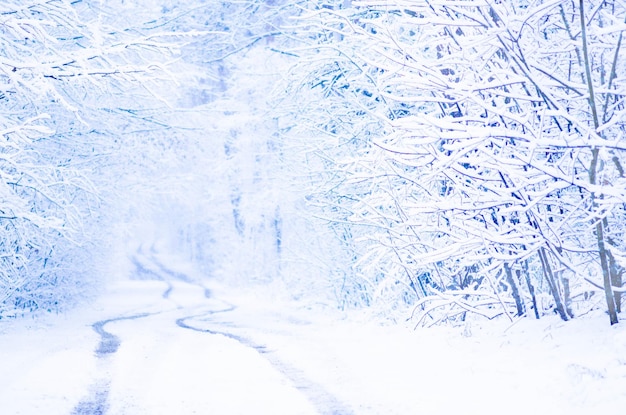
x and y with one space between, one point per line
109 342
97 401
180 276
148 274
176 275
97 405
323 401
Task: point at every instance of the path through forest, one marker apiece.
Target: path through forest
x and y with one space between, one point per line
164 340
161 360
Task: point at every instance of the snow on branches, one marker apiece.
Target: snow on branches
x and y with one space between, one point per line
65 79
473 151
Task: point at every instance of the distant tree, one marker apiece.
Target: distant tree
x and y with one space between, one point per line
229 200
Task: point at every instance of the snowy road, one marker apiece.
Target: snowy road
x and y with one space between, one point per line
173 359
163 343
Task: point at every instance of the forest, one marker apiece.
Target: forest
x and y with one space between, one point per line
432 161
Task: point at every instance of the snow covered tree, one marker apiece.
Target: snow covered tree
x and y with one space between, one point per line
457 146
70 87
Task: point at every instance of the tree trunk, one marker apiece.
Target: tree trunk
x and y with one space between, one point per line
547 271
606 274
599 228
531 289
614 269
567 297
514 290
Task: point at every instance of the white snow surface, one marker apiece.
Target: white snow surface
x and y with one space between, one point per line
185 350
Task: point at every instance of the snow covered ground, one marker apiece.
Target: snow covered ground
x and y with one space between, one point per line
162 343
